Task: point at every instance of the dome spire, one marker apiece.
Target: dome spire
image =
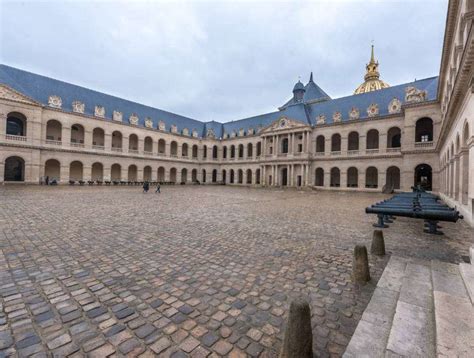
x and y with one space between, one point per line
311 77
372 76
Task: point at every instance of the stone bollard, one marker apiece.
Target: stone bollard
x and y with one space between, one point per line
298 342
378 243
360 265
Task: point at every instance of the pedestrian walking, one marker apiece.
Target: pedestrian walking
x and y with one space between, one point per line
146 187
158 189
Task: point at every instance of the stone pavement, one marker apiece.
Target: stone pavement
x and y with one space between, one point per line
196 271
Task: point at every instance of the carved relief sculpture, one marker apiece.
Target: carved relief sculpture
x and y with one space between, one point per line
241 132
99 111
250 131
148 122
185 131
354 113
161 126
321 119
117 116
395 106
55 101
78 107
133 119
210 133
413 95
233 134
195 133
373 110
337 117
174 128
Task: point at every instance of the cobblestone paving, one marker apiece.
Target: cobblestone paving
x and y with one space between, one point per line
195 271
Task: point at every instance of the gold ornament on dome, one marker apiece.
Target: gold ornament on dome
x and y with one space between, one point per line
372 77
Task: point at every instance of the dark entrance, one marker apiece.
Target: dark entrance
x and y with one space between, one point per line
423 176
14 169
284 176
298 180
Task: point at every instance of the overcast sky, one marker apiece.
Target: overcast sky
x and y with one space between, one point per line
221 60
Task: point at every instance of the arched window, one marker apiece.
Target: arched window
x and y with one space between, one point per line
184 175
148 145
393 178
116 172
14 169
465 166
372 139
319 177
204 175
162 147
249 176
353 141
352 177
147 173
204 151
52 169
232 151
424 130
214 176
117 140
257 176
195 151
76 171
394 138
335 177
241 150
336 143
194 174
232 176
240 176
214 152
77 134
371 177
259 149
224 152
133 143
97 172
184 150
284 145
53 130
249 150
16 124
320 144
98 138
224 176
132 173
161 174
173 175
174 149
423 176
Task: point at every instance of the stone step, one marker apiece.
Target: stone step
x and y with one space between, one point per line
467 274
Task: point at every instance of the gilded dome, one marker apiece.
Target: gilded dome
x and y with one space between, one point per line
372 77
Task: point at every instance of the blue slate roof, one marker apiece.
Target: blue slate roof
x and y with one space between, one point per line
316 102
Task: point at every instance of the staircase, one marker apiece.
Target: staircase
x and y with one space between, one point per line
419 309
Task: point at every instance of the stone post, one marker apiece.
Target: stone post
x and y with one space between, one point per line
298 341
360 265
378 243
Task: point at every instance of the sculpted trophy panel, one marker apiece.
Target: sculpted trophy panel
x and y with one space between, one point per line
78 107
99 111
354 113
133 119
117 116
413 94
55 101
395 106
373 110
148 122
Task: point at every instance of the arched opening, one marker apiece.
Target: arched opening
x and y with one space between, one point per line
184 150
249 150
77 134
214 152
335 177
284 176
423 177
465 166
116 172
393 178
259 149
424 130
224 176
232 176
97 172
173 175
371 177
257 176
195 151
372 139
184 175
457 169
240 174
133 143
232 151
116 140
320 144
14 169
147 173
53 130
204 175
174 149
132 173
98 137
16 125
336 143
241 150
214 176
319 177
161 146
52 169
224 152
194 175
353 141
284 145
352 177
249 176
76 170
204 151
394 138
148 145
161 174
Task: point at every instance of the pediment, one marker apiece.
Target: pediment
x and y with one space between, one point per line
284 124
11 95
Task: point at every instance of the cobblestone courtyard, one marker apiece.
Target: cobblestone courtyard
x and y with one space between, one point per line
195 271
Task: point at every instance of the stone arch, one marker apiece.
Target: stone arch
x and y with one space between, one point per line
161 174
241 150
77 134
148 144
240 176
133 142
76 170
115 172
232 151
173 175
335 177
174 149
424 130
194 175
394 138
423 176
214 152
117 139
224 176
161 146
98 137
353 141
214 176
184 150
259 149
249 176
371 177
352 177
97 171
147 173
54 130
184 175
319 177
320 144
16 124
14 169
392 179
336 142
372 139
232 176
249 150
52 169
132 172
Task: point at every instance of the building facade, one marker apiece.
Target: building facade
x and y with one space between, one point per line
382 136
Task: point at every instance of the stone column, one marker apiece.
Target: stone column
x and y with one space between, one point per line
2 170
140 174
124 172
141 146
327 178
87 139
64 174
343 179
381 179
3 132
107 142
86 173
66 136
308 144
125 144
107 175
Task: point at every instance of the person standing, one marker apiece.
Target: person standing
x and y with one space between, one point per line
158 190
146 187
47 180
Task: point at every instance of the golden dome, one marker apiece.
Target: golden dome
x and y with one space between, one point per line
372 80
